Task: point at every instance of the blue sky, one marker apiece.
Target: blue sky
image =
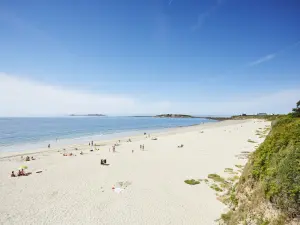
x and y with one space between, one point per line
152 56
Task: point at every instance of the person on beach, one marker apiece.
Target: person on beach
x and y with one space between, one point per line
48 145
81 153
92 143
32 158
13 174
27 158
21 173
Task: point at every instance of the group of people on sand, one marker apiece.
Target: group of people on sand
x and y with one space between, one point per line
27 158
68 154
142 147
20 173
91 143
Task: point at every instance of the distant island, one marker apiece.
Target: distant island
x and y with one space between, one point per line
189 116
174 116
87 115
237 117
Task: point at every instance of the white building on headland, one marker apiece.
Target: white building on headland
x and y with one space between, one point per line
262 114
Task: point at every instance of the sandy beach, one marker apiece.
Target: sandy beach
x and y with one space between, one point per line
79 190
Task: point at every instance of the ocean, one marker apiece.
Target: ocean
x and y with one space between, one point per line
20 134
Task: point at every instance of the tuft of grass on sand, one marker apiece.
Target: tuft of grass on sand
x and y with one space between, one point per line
239 166
251 141
216 188
192 182
216 178
228 170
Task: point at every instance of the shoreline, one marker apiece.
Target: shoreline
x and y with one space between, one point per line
82 140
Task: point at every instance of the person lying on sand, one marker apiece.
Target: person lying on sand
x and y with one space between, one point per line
32 158
21 173
27 158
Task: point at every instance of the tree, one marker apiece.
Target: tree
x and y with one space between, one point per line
296 111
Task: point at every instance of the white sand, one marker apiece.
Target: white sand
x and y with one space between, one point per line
78 190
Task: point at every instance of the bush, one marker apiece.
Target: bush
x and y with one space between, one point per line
276 164
192 182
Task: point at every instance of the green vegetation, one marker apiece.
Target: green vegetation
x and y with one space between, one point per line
276 164
296 111
251 141
263 117
216 188
227 217
192 182
272 175
239 166
216 178
263 133
228 170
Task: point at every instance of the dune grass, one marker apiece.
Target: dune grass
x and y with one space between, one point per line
192 182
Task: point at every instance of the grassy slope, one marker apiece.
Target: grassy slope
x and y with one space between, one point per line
272 177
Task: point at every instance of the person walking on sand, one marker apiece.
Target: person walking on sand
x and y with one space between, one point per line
48 145
92 143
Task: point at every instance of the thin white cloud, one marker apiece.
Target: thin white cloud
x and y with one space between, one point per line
273 55
202 17
263 59
23 97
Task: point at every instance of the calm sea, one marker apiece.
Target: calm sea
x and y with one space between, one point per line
18 134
